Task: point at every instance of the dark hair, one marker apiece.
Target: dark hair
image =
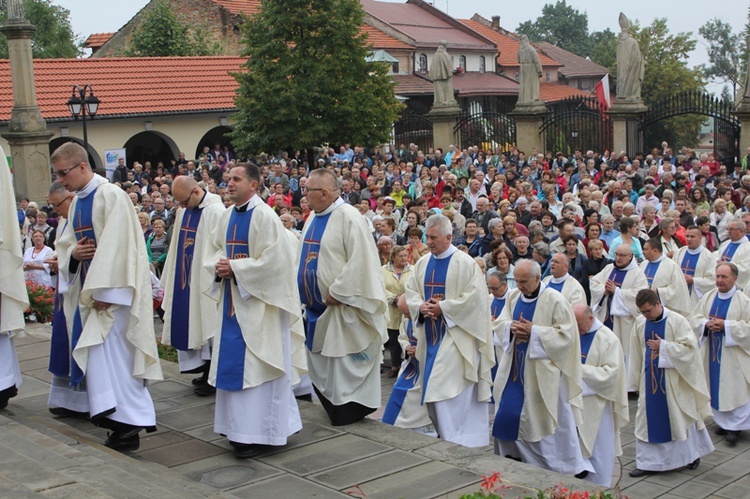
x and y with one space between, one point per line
655 243
593 224
646 297
626 223
702 220
252 172
416 232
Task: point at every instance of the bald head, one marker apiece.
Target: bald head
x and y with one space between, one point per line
183 188
559 265
584 317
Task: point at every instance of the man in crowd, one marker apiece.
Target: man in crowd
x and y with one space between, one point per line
454 342
484 214
605 394
260 326
108 307
341 285
736 249
191 320
697 264
673 400
538 384
562 282
665 277
721 322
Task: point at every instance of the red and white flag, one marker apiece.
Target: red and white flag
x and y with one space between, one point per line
602 93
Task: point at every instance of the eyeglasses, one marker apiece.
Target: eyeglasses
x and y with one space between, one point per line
62 173
184 204
494 288
56 206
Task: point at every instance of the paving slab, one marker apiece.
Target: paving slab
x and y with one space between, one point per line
368 469
734 490
695 490
182 420
181 452
287 486
225 472
427 480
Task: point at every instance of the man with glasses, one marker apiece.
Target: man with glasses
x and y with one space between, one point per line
736 249
673 400
190 320
108 302
697 265
665 277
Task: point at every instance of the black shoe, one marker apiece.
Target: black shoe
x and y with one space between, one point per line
62 412
6 395
123 441
639 472
205 390
198 381
696 463
583 474
306 397
720 431
3 403
632 395
733 437
246 451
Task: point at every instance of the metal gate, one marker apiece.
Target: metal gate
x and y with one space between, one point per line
576 123
726 126
414 127
488 130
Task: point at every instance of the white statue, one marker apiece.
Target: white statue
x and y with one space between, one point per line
15 11
441 74
530 73
631 65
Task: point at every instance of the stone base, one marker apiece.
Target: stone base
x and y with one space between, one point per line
443 118
534 109
529 119
743 114
31 166
632 108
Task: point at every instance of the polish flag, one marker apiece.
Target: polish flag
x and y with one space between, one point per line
602 93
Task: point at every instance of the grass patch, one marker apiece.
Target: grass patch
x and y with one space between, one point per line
167 352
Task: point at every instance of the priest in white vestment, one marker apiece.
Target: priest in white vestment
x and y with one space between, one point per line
722 323
673 399
613 293
108 302
191 320
698 265
260 325
341 286
13 298
665 277
605 395
64 400
537 390
561 281
447 296
736 249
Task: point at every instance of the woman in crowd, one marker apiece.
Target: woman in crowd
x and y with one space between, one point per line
145 222
720 218
548 225
501 260
395 273
416 248
628 235
157 245
598 259
578 261
385 247
665 203
649 225
709 237
699 200
33 260
670 244
472 240
593 231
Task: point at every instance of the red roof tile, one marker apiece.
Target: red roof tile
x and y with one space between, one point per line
470 83
551 92
507 46
382 40
96 40
131 86
248 7
572 65
413 85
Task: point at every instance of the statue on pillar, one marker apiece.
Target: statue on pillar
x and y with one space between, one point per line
530 73
631 65
15 11
441 74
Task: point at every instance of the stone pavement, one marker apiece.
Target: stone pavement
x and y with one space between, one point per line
47 457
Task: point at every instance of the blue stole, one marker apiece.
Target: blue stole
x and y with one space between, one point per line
657 410
618 276
59 352
405 382
434 329
729 252
230 371
508 417
688 266
83 226
719 309
650 271
307 276
180 320
557 286
497 306
586 341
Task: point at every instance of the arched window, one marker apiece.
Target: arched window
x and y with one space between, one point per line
462 62
481 64
422 63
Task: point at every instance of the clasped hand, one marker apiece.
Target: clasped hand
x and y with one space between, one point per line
431 309
224 269
521 328
84 249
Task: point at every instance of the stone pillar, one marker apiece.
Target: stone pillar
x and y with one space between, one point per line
624 137
28 136
529 119
743 114
443 123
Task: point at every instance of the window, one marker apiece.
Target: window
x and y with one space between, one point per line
422 63
394 68
549 77
517 76
462 62
481 64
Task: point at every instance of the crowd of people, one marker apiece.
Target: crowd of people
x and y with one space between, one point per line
556 286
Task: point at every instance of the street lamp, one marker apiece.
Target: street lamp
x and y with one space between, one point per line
81 103
574 132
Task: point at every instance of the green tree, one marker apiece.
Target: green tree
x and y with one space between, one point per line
54 37
561 25
161 34
604 48
667 74
725 53
306 80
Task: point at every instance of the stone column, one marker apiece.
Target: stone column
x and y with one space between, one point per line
443 123
625 138
28 136
743 114
529 119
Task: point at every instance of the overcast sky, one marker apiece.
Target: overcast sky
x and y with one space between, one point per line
94 16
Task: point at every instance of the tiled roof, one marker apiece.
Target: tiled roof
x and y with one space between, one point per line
413 85
96 40
248 7
572 65
382 40
129 86
424 27
507 46
551 92
469 84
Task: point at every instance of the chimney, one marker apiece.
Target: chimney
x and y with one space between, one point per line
495 22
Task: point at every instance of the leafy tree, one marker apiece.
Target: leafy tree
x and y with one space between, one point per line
54 37
561 25
725 53
307 82
162 34
727 95
603 48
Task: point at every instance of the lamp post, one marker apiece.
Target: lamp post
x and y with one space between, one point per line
83 102
574 135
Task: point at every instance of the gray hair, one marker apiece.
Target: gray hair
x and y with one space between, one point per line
543 249
607 218
628 206
57 188
534 224
732 267
665 222
534 268
494 223
502 278
648 207
442 223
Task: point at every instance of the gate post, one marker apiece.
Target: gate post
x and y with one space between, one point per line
443 121
529 120
743 114
626 118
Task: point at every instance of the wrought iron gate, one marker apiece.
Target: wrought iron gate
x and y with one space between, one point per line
576 123
488 129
